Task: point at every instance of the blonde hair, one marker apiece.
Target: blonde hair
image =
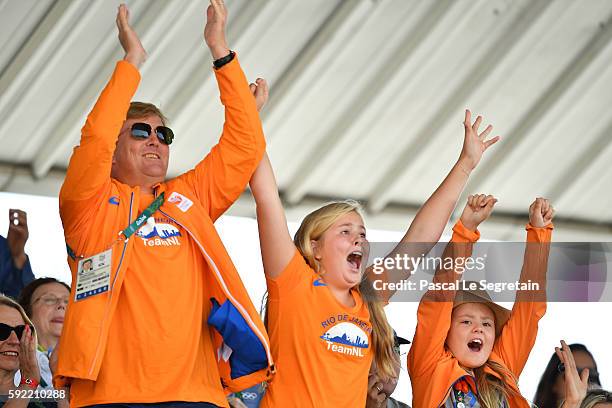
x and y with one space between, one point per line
7 301
144 109
493 392
312 228
594 397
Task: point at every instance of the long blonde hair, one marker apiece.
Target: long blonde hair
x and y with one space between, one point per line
493 392
312 228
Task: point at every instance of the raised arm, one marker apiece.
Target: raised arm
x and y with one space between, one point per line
576 383
15 269
429 222
275 242
277 247
435 310
519 333
90 165
220 178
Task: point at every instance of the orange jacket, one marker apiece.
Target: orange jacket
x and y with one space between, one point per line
432 367
94 207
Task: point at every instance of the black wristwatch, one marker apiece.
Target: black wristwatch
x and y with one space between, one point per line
218 63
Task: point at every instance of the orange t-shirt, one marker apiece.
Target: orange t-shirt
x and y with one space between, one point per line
159 329
321 347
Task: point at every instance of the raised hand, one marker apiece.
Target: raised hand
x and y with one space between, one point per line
17 236
28 363
541 213
474 144
260 89
135 53
477 209
214 31
576 384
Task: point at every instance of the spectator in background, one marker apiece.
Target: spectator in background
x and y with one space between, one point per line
44 301
597 399
379 391
15 270
550 391
17 352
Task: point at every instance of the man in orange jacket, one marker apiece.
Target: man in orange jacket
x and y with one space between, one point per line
158 313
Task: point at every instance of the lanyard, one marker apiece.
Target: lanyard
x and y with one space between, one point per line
142 218
133 227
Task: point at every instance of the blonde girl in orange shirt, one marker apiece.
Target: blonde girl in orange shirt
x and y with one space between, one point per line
323 333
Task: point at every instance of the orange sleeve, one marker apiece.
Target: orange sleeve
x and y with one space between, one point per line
89 169
520 332
434 319
220 178
297 273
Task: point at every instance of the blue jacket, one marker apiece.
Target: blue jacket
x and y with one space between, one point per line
12 280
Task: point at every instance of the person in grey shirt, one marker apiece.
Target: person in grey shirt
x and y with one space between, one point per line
379 392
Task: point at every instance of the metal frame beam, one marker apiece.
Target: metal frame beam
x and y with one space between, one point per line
489 62
412 40
558 99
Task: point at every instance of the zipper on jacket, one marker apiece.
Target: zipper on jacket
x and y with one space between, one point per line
226 291
110 297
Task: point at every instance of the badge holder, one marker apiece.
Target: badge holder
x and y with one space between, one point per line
93 272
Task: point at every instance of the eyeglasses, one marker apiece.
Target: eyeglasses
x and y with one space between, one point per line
593 375
6 330
52 300
143 131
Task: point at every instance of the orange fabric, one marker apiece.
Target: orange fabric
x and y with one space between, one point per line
309 329
146 326
433 369
94 208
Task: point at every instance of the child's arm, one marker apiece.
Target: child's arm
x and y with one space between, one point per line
519 333
435 309
277 247
429 222
275 242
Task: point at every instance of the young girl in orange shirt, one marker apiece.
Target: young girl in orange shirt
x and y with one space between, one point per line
467 350
323 333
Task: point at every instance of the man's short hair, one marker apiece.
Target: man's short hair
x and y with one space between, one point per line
143 109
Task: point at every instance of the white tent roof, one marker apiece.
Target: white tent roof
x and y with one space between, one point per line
367 97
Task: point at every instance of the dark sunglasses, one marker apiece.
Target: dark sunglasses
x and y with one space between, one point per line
143 131
593 375
5 331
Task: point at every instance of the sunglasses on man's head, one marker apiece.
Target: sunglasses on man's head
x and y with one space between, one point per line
5 331
143 131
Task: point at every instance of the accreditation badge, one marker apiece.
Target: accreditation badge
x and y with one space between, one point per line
93 275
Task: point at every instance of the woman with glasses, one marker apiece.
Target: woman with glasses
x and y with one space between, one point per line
553 384
17 352
45 301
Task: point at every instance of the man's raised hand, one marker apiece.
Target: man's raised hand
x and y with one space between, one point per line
214 31
135 53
